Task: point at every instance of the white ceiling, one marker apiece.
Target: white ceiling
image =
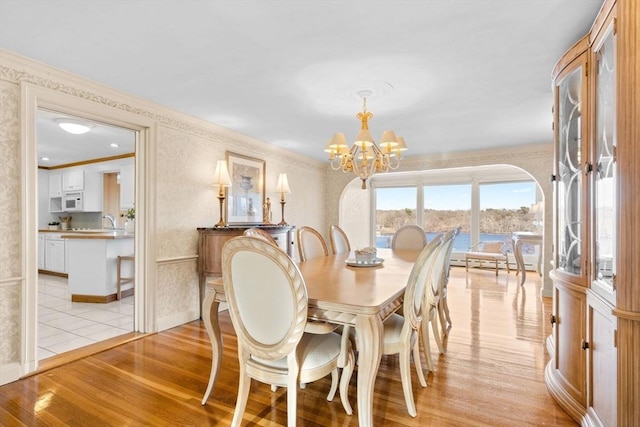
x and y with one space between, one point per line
447 75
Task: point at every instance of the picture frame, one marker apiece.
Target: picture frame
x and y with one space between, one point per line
245 197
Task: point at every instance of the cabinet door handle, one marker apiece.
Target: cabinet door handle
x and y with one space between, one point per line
553 319
588 167
585 345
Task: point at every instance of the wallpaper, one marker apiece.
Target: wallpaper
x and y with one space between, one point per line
10 221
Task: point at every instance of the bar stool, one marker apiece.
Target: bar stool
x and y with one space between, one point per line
122 280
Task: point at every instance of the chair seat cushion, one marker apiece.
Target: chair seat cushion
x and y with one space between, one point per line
314 351
485 255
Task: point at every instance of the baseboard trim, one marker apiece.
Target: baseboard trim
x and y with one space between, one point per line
100 299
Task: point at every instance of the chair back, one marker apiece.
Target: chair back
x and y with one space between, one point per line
418 280
257 233
491 247
409 237
438 274
339 240
267 298
311 244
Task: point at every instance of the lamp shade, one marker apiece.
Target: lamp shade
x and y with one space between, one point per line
388 141
283 184
221 174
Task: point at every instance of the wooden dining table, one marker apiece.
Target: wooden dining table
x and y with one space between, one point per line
361 297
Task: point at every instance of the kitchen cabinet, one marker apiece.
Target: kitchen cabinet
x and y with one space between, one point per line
55 184
93 190
40 251
54 253
73 180
594 345
127 187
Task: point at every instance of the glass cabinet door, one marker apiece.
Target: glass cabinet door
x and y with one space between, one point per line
604 169
571 91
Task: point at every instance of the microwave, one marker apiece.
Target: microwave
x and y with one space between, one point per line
72 201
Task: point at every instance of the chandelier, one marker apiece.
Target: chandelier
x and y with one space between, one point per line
365 157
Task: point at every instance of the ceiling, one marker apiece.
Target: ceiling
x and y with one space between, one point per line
448 76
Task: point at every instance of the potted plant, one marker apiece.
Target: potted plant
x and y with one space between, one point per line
53 225
130 215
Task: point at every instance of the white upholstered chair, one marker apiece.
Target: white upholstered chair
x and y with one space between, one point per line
310 244
443 307
434 290
339 240
401 332
260 234
267 300
409 237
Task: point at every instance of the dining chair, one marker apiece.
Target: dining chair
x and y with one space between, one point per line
310 243
339 240
401 332
433 297
260 234
267 300
409 237
443 308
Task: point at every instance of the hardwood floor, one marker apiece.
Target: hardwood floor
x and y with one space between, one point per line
491 375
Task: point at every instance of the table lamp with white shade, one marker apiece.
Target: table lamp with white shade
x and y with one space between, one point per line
282 188
222 180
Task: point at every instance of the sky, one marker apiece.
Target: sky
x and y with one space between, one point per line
458 197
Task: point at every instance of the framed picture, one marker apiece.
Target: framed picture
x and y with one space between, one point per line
245 197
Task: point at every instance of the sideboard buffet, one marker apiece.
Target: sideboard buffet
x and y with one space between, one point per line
595 341
212 239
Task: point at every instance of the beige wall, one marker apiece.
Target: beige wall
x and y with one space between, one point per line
179 169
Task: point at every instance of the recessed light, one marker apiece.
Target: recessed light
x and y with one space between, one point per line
44 159
75 127
114 145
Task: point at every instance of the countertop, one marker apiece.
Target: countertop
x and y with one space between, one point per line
91 234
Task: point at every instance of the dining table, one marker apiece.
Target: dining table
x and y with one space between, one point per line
343 293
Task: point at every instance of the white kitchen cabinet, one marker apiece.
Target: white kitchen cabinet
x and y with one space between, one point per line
73 181
54 253
41 251
55 184
93 190
127 187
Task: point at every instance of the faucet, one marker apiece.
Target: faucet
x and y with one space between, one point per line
111 219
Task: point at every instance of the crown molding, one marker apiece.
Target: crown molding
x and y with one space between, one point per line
18 69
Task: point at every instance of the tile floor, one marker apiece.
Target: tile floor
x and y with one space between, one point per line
64 325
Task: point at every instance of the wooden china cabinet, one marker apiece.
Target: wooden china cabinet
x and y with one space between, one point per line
595 342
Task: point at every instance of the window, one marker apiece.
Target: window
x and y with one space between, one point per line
445 208
395 207
507 207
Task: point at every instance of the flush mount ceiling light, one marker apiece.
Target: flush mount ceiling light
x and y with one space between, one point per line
75 127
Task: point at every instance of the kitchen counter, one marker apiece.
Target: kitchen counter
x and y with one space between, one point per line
120 234
92 263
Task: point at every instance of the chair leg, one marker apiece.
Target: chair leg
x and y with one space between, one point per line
418 363
292 401
496 268
335 378
446 326
441 316
243 396
405 375
433 319
426 346
345 379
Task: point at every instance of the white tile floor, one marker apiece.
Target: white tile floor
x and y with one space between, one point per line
64 325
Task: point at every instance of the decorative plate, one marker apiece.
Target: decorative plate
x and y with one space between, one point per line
355 263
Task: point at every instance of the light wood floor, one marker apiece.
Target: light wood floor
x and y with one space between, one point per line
491 375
